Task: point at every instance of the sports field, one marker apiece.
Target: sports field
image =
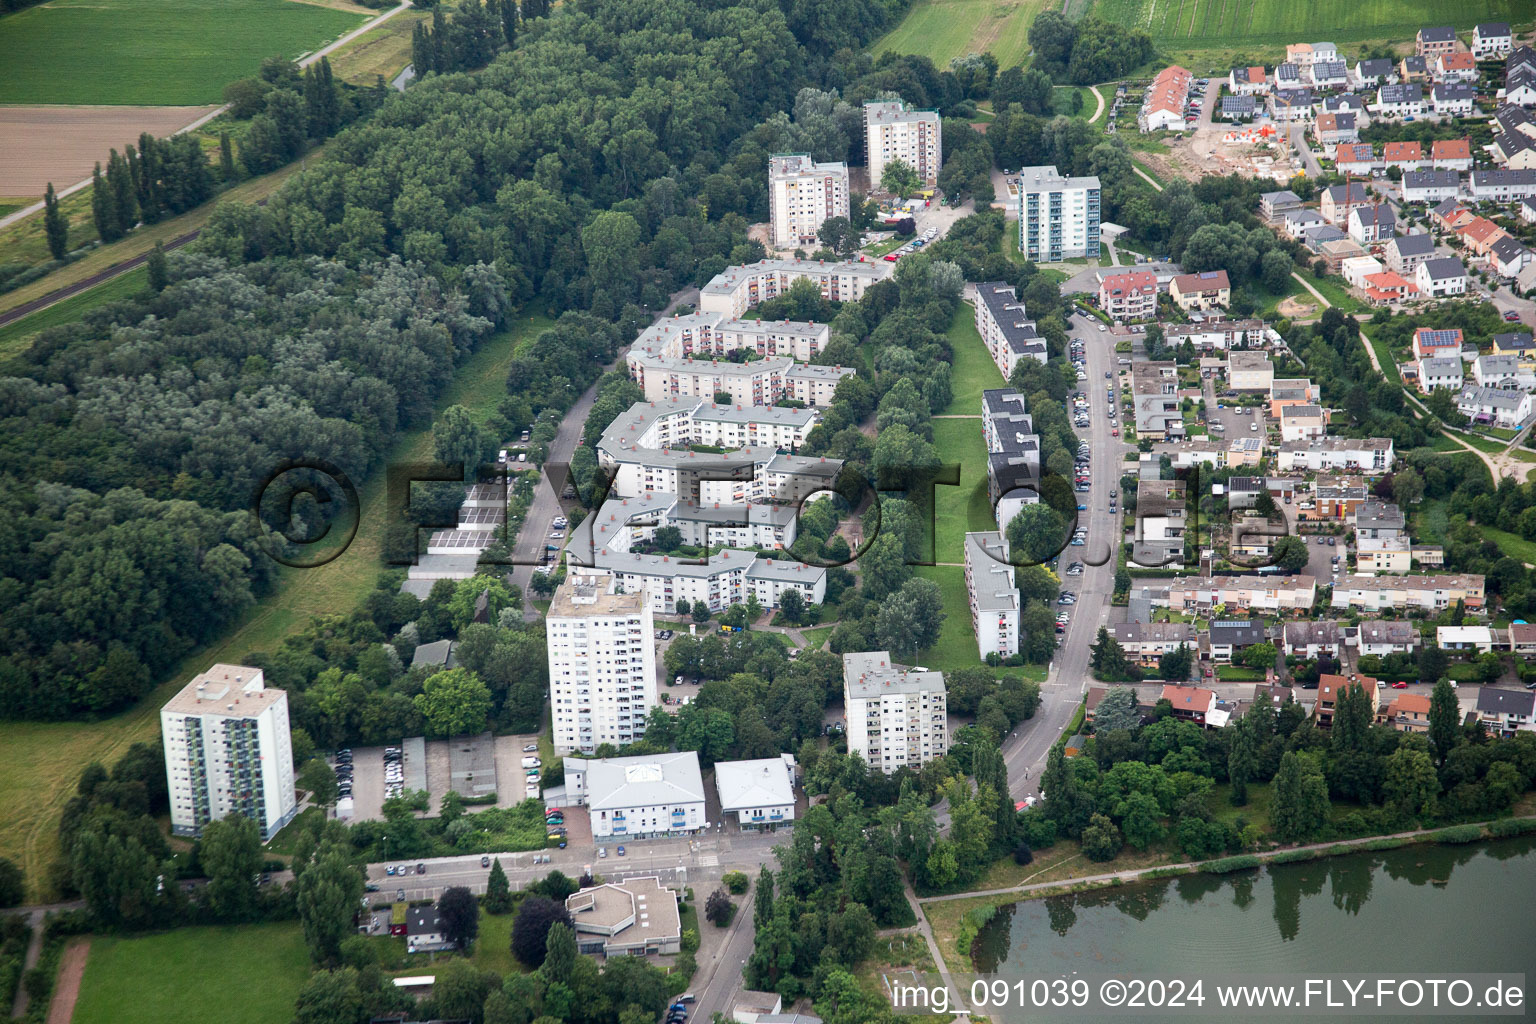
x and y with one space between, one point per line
153 52
944 29
249 974
1201 24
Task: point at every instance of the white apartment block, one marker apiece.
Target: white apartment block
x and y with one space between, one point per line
801 195
602 664
1005 328
892 132
1369 455
689 357
1247 593
737 289
994 596
1058 217
897 717
228 751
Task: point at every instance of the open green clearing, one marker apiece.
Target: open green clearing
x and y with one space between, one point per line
972 370
153 52
45 760
1210 24
957 640
1511 544
942 30
249 974
963 509
16 336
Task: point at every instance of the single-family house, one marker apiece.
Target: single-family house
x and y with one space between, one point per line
1441 276
1405 156
1455 67
1504 408
1354 158
1331 687
1372 224
1330 74
1450 215
1453 99
1382 637
1412 69
1519 81
1451 154
1389 287
1249 370
1239 108
1479 235
1338 200
1507 711
1376 71
1253 81
1322 638
1380 555
1332 129
1438 373
1407 712
1517 344
1299 222
1356 270
1522 639
1291 105
1203 291
1303 422
1507 257
1464 638
1430 341
1227 639
1491 39
1400 101
1190 703
1288 77
1405 252
1528 211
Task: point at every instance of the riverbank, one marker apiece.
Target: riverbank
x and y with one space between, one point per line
955 918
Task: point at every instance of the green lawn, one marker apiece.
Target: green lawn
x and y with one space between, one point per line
957 640
1511 544
250 974
816 639
1212 24
16 336
972 370
963 509
153 52
493 949
1484 444
944 29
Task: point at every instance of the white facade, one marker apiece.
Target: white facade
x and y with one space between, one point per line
801 195
737 289
761 793
602 664
897 717
634 797
1491 40
994 596
892 132
1441 276
1369 455
1058 217
228 751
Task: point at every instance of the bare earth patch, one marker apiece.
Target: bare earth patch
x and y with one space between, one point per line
67 989
1292 307
62 144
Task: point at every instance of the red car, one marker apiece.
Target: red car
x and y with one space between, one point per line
1399 685
1115 432
1511 316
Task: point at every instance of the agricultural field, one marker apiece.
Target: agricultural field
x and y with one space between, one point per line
1215 24
154 52
128 980
62 144
944 29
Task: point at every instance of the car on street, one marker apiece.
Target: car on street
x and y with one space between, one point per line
1082 508
1114 432
602 851
399 895
1399 685
620 851
485 862
1331 542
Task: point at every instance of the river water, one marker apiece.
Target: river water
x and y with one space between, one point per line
1420 910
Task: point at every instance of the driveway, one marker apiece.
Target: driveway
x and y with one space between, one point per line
1298 136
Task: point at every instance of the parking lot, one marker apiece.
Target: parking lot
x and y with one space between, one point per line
1235 421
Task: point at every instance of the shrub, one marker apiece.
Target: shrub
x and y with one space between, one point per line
719 909
736 882
1459 834
1022 854
970 923
1512 827
1227 865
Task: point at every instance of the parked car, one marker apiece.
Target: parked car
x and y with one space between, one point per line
485 862
620 851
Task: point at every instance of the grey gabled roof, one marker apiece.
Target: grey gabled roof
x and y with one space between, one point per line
1430 178
1494 700
1438 34
1443 268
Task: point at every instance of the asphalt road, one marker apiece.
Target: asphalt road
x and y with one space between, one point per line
1024 752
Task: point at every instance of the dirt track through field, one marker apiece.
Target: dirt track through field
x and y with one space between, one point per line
67 989
63 144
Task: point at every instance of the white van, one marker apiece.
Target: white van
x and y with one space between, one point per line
530 762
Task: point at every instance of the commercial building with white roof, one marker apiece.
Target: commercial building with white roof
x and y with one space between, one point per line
637 797
630 917
761 793
897 717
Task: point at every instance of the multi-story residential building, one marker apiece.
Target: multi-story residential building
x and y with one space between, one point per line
1432 42
1312 639
1162 109
1430 186
897 717
1273 593
1249 370
1520 77
602 664
1161 518
735 290
1441 276
1331 687
1354 158
1291 105
1128 294
1451 154
1453 99
1369 455
1439 373
227 751
892 132
1292 391
623 523
1303 422
1506 711
1371 224
1199 292
1387 288
1504 408
1338 200
993 594
801 195
636 797
1514 138
729 576
1013 453
1253 81
760 793
1335 498
1216 334
1454 67
1399 101
1145 642
1379 519
1273 206
1239 108
1005 328
1155 396
691 357
1429 593
633 917
1058 217
1502 185
1407 712
1393 555
1492 39
1382 637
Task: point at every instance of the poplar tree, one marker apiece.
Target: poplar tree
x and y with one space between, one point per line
55 225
